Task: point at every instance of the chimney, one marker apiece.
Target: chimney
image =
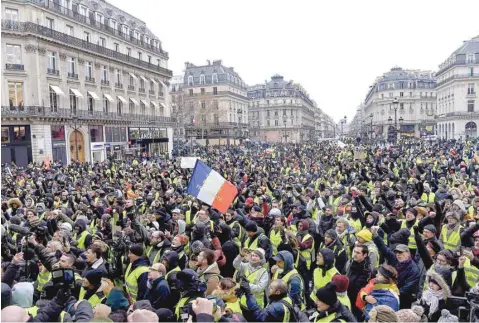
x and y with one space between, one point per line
208 61
217 62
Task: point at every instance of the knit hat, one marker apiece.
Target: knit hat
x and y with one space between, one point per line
341 282
383 313
327 294
94 276
137 250
408 316
365 234
431 228
260 252
66 227
143 305
446 316
332 234
251 227
197 246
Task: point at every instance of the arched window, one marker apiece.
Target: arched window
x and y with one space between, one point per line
190 80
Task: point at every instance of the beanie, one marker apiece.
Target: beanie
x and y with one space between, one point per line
251 227
137 250
431 228
327 294
94 276
66 227
260 252
341 282
446 316
197 246
408 316
365 234
383 313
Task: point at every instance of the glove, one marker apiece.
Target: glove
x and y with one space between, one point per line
63 295
244 286
416 229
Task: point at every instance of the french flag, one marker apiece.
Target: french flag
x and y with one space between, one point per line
210 187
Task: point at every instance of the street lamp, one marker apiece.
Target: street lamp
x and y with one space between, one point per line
285 135
395 107
371 116
301 133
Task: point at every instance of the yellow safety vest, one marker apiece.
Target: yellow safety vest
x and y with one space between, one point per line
157 255
428 198
131 280
452 241
411 242
81 240
472 273
287 314
234 307
254 278
344 299
286 278
180 304
33 311
237 240
93 226
329 318
94 300
320 281
356 224
275 238
177 268
43 277
252 246
308 253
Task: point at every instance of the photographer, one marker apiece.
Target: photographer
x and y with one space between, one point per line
190 288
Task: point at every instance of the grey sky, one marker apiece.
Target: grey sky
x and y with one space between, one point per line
334 48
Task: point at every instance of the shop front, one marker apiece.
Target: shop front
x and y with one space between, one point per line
59 147
97 144
148 142
17 145
115 142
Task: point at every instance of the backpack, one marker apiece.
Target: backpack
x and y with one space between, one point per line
296 314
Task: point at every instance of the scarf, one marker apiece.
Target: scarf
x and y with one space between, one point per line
432 298
342 235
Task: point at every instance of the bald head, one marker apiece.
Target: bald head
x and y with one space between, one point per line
156 271
14 313
278 287
143 316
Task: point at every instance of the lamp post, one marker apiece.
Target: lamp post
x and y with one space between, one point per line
285 135
371 116
301 133
343 121
395 107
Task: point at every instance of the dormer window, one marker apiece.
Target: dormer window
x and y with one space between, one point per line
470 58
190 80
202 79
215 78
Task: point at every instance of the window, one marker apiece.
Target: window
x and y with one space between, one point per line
471 71
15 94
158 61
401 94
96 133
140 55
131 107
71 66
137 35
276 113
88 70
53 101
119 107
215 90
52 61
267 113
14 54
83 11
86 36
102 42
268 123
470 88
128 51
142 108
90 103
117 47
149 59
106 105
276 122
69 30
11 14
215 78
19 133
5 135
125 30
410 94
291 112
267 102
203 104
132 81
73 103
470 105
100 18
191 92
202 91
190 80
113 24
470 58
50 23
202 79
58 132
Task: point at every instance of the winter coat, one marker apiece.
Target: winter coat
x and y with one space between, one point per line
100 264
385 294
446 293
343 314
273 312
230 251
408 273
358 274
159 293
143 279
210 276
242 267
295 284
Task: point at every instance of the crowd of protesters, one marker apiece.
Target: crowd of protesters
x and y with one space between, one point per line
317 233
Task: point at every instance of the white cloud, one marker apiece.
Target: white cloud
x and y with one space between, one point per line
334 48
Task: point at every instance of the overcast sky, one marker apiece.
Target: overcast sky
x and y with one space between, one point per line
335 49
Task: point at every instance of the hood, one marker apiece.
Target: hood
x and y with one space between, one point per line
288 260
212 269
172 258
116 300
328 256
6 295
199 231
441 282
81 223
22 294
225 234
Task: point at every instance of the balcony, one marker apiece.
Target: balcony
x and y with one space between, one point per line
72 76
129 118
105 82
118 85
14 67
38 30
152 92
141 90
52 71
89 79
160 93
131 88
458 77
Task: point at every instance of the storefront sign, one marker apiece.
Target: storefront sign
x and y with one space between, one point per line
57 144
116 148
97 146
107 145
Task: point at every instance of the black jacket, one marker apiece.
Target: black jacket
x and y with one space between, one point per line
101 267
359 274
159 293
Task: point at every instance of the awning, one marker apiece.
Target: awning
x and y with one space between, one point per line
143 78
109 98
163 105
134 101
77 93
154 104
57 90
93 95
144 102
122 99
153 80
133 75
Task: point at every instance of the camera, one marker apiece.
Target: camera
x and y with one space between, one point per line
65 278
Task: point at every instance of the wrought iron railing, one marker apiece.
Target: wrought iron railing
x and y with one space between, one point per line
14 67
152 92
72 76
89 79
131 88
53 71
105 82
36 29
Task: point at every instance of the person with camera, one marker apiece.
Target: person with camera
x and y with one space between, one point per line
191 288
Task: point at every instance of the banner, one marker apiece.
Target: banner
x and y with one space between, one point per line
188 162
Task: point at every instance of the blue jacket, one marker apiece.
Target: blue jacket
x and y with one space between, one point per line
295 285
383 296
159 293
273 312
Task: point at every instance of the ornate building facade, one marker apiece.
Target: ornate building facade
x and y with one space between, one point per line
82 80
